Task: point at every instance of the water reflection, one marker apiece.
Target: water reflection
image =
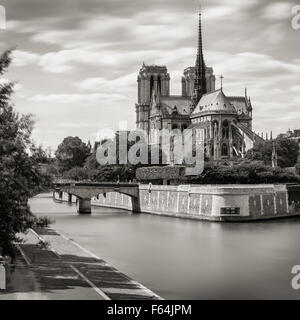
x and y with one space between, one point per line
181 259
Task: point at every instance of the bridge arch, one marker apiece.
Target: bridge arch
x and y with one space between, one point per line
86 191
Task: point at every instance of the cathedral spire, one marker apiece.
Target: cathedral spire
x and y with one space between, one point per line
200 80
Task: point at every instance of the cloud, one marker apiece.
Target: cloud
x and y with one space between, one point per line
121 84
76 55
69 60
24 58
77 125
18 87
278 11
252 63
76 98
218 12
65 61
295 89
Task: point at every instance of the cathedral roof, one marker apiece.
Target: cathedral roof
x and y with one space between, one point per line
176 104
215 101
241 104
170 105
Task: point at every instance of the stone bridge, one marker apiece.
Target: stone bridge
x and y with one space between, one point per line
85 191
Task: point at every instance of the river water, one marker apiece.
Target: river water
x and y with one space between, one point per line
186 259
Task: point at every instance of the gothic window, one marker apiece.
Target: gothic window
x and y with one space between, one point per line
216 129
224 150
225 130
151 85
159 84
172 139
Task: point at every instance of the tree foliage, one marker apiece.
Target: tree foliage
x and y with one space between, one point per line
72 152
20 177
40 155
77 174
115 173
287 152
298 166
245 172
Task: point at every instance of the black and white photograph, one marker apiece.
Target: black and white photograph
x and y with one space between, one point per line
149 152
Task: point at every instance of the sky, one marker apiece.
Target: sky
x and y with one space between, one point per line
76 61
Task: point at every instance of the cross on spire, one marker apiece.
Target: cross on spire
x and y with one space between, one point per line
222 78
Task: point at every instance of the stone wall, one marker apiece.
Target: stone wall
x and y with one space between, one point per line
208 202
113 200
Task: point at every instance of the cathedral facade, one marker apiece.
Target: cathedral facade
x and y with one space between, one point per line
225 120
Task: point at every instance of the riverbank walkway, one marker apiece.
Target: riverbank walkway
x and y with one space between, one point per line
50 266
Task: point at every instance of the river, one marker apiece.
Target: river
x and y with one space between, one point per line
186 259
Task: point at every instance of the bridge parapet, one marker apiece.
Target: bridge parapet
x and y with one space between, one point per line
86 191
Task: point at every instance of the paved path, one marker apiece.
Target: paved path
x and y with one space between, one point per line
65 270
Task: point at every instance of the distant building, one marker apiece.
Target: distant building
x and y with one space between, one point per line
226 120
292 135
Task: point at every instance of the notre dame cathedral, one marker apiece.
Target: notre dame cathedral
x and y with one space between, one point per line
226 120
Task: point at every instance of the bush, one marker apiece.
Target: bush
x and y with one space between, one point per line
298 166
77 174
52 170
146 174
114 173
244 173
42 222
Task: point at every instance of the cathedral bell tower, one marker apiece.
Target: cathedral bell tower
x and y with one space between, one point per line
151 79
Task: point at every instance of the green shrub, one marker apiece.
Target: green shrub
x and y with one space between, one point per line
42 222
77 174
244 173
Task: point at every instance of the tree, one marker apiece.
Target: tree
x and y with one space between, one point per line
39 154
298 166
114 172
20 177
52 170
72 152
287 152
77 173
91 162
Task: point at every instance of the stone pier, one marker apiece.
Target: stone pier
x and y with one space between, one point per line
69 198
136 206
84 206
